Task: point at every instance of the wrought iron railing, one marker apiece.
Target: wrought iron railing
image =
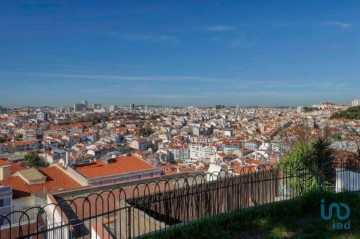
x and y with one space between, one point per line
153 206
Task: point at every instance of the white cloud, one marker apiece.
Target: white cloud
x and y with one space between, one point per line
128 66
338 24
152 37
344 25
116 77
220 28
237 42
146 37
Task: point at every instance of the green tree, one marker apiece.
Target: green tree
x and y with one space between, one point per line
18 137
350 113
33 159
309 109
308 166
145 132
295 169
3 138
154 117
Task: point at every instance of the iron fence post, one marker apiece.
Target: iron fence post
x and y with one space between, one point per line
129 221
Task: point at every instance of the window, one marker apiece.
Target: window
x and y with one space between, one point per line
1 202
151 175
139 176
127 178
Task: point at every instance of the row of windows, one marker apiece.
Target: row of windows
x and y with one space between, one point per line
118 180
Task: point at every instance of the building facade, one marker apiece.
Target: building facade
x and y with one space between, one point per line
355 102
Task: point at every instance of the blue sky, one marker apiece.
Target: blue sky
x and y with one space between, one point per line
179 53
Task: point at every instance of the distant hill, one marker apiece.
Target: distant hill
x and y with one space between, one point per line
350 113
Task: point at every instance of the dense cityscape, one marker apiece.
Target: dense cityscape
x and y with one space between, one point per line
67 150
139 142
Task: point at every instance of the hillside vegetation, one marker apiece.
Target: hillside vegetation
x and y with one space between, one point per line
350 113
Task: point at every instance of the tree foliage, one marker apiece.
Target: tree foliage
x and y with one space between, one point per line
3 138
350 113
18 137
309 109
145 132
308 165
33 159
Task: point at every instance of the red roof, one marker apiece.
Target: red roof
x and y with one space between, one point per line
120 165
14 166
56 180
142 153
141 141
257 162
239 169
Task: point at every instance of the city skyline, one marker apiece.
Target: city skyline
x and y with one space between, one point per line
264 53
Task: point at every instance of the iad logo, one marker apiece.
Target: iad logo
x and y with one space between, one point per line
336 224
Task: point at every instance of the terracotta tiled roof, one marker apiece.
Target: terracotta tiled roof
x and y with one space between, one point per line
56 180
172 172
142 153
141 141
256 162
120 165
14 166
239 169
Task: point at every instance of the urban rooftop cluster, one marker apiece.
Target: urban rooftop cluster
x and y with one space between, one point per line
47 150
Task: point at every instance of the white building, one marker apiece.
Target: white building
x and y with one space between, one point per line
355 102
214 172
228 133
101 110
42 116
324 105
300 109
201 151
140 144
179 152
113 108
132 107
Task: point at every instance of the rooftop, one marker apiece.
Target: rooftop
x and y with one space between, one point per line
32 176
14 166
56 180
120 165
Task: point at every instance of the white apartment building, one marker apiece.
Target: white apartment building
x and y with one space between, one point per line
113 108
201 140
229 149
179 152
355 102
300 109
42 116
140 144
198 151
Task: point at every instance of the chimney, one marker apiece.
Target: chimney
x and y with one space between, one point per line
67 158
5 172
